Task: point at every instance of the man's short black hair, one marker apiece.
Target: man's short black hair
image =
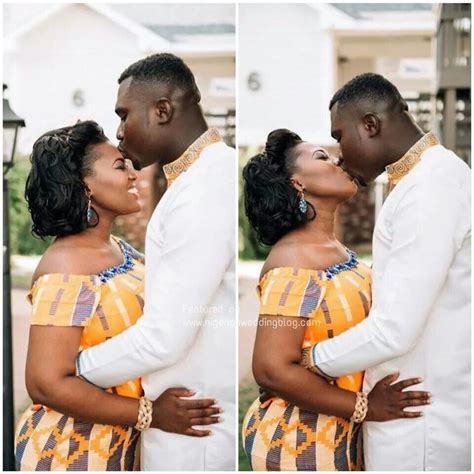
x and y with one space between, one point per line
165 68
366 86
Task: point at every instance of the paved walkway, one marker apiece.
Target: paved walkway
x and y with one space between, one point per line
22 266
20 326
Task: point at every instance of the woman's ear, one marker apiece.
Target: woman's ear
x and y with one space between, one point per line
297 184
164 110
87 188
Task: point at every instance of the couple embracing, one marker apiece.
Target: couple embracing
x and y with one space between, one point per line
106 317
373 368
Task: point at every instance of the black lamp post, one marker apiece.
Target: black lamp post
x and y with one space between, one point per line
11 124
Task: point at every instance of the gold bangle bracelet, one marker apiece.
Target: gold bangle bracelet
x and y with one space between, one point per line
145 414
361 407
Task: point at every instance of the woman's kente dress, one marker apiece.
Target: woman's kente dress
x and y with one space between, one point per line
277 435
104 305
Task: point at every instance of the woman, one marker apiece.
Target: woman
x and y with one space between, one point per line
87 288
311 288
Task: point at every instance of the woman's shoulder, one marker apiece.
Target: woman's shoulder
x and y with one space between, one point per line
286 278
66 258
290 259
64 292
291 285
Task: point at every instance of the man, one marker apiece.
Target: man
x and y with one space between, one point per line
186 335
419 324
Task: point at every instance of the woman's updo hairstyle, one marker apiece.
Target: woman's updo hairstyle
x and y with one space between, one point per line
271 201
55 191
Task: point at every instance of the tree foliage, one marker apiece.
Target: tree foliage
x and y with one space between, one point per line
249 247
22 240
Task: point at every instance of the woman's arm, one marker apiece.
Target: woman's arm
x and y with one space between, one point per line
51 381
276 367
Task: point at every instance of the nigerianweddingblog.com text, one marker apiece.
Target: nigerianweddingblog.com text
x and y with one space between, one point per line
220 316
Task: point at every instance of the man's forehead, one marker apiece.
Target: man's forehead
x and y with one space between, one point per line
124 91
335 119
341 116
136 90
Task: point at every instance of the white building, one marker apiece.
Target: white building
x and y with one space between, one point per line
62 61
293 57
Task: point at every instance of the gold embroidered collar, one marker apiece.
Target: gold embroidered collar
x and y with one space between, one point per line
175 168
396 171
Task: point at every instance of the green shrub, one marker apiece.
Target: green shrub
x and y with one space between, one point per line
21 239
249 247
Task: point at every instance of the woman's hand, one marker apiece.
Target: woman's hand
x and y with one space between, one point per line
387 402
176 415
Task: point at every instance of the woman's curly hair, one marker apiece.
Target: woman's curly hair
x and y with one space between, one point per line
55 190
271 201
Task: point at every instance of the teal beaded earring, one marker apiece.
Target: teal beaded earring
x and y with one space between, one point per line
89 209
303 204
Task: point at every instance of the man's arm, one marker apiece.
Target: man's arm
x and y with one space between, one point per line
429 225
198 248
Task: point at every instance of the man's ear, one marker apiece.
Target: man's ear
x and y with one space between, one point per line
164 110
371 124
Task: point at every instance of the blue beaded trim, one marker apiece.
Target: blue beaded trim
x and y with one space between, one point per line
351 262
124 267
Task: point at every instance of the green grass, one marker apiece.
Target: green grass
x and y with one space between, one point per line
248 392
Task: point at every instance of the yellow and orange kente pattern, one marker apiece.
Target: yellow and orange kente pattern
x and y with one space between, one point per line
50 441
278 435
